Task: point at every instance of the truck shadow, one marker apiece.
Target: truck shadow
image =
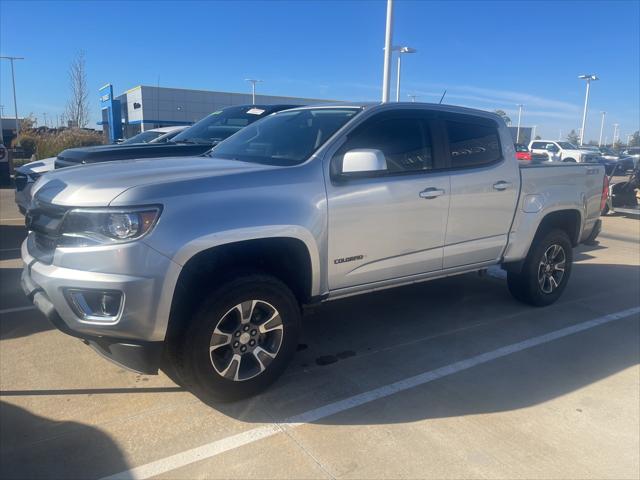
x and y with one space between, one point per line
381 338
11 237
88 454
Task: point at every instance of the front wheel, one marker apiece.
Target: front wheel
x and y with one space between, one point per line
241 339
545 272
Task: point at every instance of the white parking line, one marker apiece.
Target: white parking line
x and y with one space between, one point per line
229 443
16 309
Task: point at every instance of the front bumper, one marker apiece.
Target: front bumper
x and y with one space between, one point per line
135 338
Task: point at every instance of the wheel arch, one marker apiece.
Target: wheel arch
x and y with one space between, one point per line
285 257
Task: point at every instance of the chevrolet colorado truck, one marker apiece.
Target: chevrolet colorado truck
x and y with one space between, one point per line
204 265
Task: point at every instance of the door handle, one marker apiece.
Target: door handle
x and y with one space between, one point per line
501 185
431 192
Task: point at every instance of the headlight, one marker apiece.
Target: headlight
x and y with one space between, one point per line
87 227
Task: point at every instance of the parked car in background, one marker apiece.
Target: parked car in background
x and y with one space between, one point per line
153 134
193 140
207 261
522 152
563 151
164 138
633 152
24 178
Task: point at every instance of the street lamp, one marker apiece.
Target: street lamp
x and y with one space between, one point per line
588 78
401 50
615 133
533 134
412 97
601 128
519 117
253 82
15 103
388 40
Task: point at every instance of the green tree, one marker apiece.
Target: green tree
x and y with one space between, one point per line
504 116
573 137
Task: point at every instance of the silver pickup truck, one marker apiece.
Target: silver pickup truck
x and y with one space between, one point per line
202 265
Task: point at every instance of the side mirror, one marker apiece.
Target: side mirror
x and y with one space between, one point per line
363 160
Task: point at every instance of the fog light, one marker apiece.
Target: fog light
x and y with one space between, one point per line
97 305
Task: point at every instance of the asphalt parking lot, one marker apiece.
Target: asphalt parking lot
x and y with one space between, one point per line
447 379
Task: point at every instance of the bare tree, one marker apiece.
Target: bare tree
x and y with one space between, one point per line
77 111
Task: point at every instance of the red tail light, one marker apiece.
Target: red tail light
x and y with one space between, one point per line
605 192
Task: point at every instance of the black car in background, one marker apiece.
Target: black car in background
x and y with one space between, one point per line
195 140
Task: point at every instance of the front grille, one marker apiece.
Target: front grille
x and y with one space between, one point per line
44 219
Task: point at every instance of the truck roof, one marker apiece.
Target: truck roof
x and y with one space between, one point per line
391 105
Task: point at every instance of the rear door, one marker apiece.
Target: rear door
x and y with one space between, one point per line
484 190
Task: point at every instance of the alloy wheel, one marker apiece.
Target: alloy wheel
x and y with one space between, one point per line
551 268
246 340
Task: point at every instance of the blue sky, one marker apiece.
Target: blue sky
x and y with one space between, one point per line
487 55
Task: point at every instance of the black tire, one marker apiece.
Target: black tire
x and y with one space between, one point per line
526 286
196 362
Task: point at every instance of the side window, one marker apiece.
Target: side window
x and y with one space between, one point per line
405 142
472 144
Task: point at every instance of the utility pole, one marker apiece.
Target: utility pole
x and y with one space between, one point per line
519 117
588 78
15 103
388 37
601 128
1 131
253 82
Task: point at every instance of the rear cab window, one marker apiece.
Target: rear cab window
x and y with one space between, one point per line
473 141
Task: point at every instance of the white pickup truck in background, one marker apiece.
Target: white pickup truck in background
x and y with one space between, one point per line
558 151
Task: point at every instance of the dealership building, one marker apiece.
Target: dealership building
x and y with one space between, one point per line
144 107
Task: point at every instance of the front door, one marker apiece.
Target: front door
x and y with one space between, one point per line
388 224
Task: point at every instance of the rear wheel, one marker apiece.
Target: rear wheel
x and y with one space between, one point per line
241 339
546 270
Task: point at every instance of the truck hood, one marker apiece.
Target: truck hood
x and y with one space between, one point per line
98 184
106 153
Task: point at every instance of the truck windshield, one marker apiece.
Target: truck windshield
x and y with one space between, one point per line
220 125
285 138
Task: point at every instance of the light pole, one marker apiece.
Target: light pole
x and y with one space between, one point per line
519 117
588 78
388 39
253 82
533 134
412 97
601 128
401 50
629 138
615 133
15 103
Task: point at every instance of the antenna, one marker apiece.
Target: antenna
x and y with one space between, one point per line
443 94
